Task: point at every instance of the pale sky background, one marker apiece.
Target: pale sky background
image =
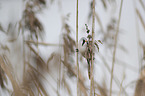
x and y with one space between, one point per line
11 11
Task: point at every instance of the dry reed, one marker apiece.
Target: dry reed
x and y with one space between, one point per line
115 45
33 77
92 59
77 62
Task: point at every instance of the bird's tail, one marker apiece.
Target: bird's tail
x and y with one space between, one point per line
89 73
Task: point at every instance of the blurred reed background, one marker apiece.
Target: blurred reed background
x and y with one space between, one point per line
72 48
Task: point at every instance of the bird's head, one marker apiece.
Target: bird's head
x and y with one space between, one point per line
82 45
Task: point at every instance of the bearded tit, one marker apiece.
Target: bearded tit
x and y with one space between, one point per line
84 51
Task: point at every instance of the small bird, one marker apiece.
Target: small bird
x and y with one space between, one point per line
85 52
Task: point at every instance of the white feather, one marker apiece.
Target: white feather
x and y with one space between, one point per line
81 48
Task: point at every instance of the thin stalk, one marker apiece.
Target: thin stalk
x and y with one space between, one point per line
39 91
115 46
99 22
114 77
23 53
94 87
77 48
140 18
92 61
129 84
59 77
37 51
121 84
137 36
43 43
142 4
7 68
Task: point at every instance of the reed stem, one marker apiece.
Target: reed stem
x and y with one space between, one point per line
92 61
115 46
77 48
